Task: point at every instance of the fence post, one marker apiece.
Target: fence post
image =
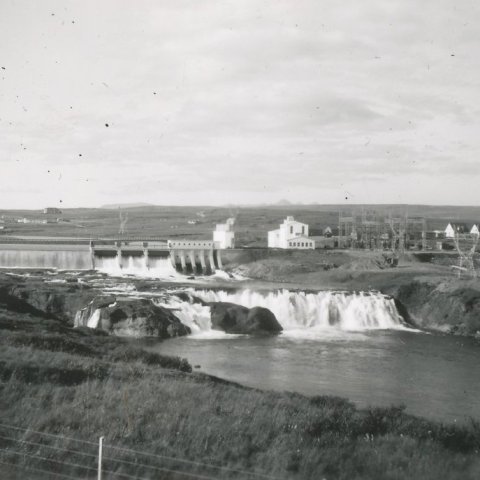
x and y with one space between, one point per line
100 448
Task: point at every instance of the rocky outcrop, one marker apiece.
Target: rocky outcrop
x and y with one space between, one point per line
58 300
130 317
233 318
451 306
71 303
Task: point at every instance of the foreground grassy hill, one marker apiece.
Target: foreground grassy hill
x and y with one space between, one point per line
62 387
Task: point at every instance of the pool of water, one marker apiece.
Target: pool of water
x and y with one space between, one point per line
433 375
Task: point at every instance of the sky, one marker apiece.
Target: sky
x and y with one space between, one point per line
186 102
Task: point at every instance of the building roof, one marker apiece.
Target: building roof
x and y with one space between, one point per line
301 237
290 219
320 238
458 226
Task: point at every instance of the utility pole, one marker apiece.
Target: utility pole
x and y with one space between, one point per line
466 259
100 449
123 221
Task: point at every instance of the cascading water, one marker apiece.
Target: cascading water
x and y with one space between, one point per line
158 267
295 311
54 259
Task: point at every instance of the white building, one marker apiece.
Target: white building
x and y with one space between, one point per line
449 231
455 228
291 234
302 243
474 230
223 235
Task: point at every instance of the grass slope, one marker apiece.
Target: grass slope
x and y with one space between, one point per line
82 385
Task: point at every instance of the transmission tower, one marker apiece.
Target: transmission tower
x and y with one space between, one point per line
123 221
465 258
398 235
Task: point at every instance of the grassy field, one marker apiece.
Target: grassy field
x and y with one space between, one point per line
251 228
77 384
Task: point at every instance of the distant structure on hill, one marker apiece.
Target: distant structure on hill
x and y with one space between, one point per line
374 230
123 222
52 210
291 234
224 235
327 232
454 229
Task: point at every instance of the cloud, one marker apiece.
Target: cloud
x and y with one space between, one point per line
238 101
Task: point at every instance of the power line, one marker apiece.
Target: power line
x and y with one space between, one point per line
68 464
191 462
115 460
112 459
147 454
39 470
163 469
76 452
39 457
47 434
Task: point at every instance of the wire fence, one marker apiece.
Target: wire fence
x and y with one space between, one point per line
27 450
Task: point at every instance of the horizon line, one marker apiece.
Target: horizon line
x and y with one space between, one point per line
115 206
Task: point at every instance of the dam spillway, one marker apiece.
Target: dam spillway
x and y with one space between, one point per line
112 256
45 256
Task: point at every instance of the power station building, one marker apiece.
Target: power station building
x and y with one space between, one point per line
291 234
223 235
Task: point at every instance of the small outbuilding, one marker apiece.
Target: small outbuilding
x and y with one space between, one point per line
455 229
224 235
52 211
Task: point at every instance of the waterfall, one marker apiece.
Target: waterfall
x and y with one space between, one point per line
54 259
193 315
158 267
349 311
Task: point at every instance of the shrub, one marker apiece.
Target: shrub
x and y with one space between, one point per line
53 343
381 420
126 353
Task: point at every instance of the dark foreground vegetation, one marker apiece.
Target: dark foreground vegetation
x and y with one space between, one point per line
159 418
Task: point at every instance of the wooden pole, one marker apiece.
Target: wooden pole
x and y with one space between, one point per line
100 448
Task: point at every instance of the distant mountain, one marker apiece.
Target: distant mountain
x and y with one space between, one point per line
283 203
115 206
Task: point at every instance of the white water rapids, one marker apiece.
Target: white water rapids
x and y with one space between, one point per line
78 260
297 312
158 267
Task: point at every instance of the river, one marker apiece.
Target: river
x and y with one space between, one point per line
348 344
433 375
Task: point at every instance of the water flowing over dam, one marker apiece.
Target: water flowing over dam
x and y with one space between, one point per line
158 267
82 259
296 310
114 257
46 258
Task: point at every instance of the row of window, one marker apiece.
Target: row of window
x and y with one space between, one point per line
300 244
193 244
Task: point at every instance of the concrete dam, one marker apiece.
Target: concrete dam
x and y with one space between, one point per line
154 258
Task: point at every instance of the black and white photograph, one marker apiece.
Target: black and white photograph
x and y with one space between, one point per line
239 240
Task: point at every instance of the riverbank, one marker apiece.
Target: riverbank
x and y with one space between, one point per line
83 384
